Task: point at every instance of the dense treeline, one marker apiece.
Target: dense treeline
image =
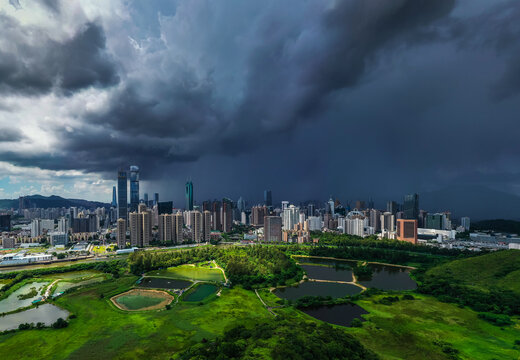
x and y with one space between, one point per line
251 266
281 340
344 240
447 288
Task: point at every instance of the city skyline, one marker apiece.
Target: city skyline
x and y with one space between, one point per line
396 117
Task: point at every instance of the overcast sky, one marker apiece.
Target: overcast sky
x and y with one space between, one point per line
351 98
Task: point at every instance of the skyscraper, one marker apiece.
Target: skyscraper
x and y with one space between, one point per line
145 198
155 198
189 195
465 222
196 225
114 198
227 215
134 187
241 204
268 198
122 197
411 206
391 207
272 229
206 225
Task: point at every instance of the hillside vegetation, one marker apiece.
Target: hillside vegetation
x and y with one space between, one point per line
486 283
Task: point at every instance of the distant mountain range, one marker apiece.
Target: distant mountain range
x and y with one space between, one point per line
477 202
40 201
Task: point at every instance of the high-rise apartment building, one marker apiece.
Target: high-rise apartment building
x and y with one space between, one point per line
121 233
141 227
392 207
134 187
122 195
375 219
189 195
387 222
227 215
465 223
196 226
272 229
206 225
179 225
215 216
258 214
290 217
166 228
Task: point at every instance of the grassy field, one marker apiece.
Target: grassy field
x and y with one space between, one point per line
418 329
102 331
501 268
190 272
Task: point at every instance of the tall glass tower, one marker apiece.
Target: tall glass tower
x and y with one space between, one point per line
189 195
268 198
114 197
134 188
122 194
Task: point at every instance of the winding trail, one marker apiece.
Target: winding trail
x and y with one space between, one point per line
265 305
368 262
218 267
48 290
341 282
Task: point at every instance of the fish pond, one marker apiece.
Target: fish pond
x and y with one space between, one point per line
46 313
22 297
200 292
163 283
315 288
337 314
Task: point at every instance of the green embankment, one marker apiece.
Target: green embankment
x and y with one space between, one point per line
425 328
498 269
101 331
190 272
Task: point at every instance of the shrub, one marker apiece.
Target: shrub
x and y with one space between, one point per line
408 297
496 319
356 323
60 323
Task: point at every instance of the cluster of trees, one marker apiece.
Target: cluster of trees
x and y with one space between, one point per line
252 266
448 289
362 272
58 324
281 340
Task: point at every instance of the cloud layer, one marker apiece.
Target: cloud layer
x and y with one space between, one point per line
355 98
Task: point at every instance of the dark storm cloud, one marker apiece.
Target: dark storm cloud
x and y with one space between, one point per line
33 63
11 135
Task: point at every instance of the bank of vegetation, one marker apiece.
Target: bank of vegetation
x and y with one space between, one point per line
280 340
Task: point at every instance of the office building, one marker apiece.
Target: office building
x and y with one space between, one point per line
241 205
310 210
285 205
407 230
114 197
435 221
272 229
189 195
122 197
165 207
8 242
411 207
314 223
134 188
465 223
360 204
121 233
63 225
5 222
268 198
156 199
59 238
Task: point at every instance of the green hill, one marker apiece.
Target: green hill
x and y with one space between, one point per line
486 283
498 269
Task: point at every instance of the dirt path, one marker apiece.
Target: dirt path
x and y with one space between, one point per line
341 282
265 305
218 267
48 290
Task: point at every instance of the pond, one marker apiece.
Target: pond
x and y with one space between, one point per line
163 283
13 302
337 314
314 288
384 277
201 292
389 278
46 313
328 272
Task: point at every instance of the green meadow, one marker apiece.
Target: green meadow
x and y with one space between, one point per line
190 272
